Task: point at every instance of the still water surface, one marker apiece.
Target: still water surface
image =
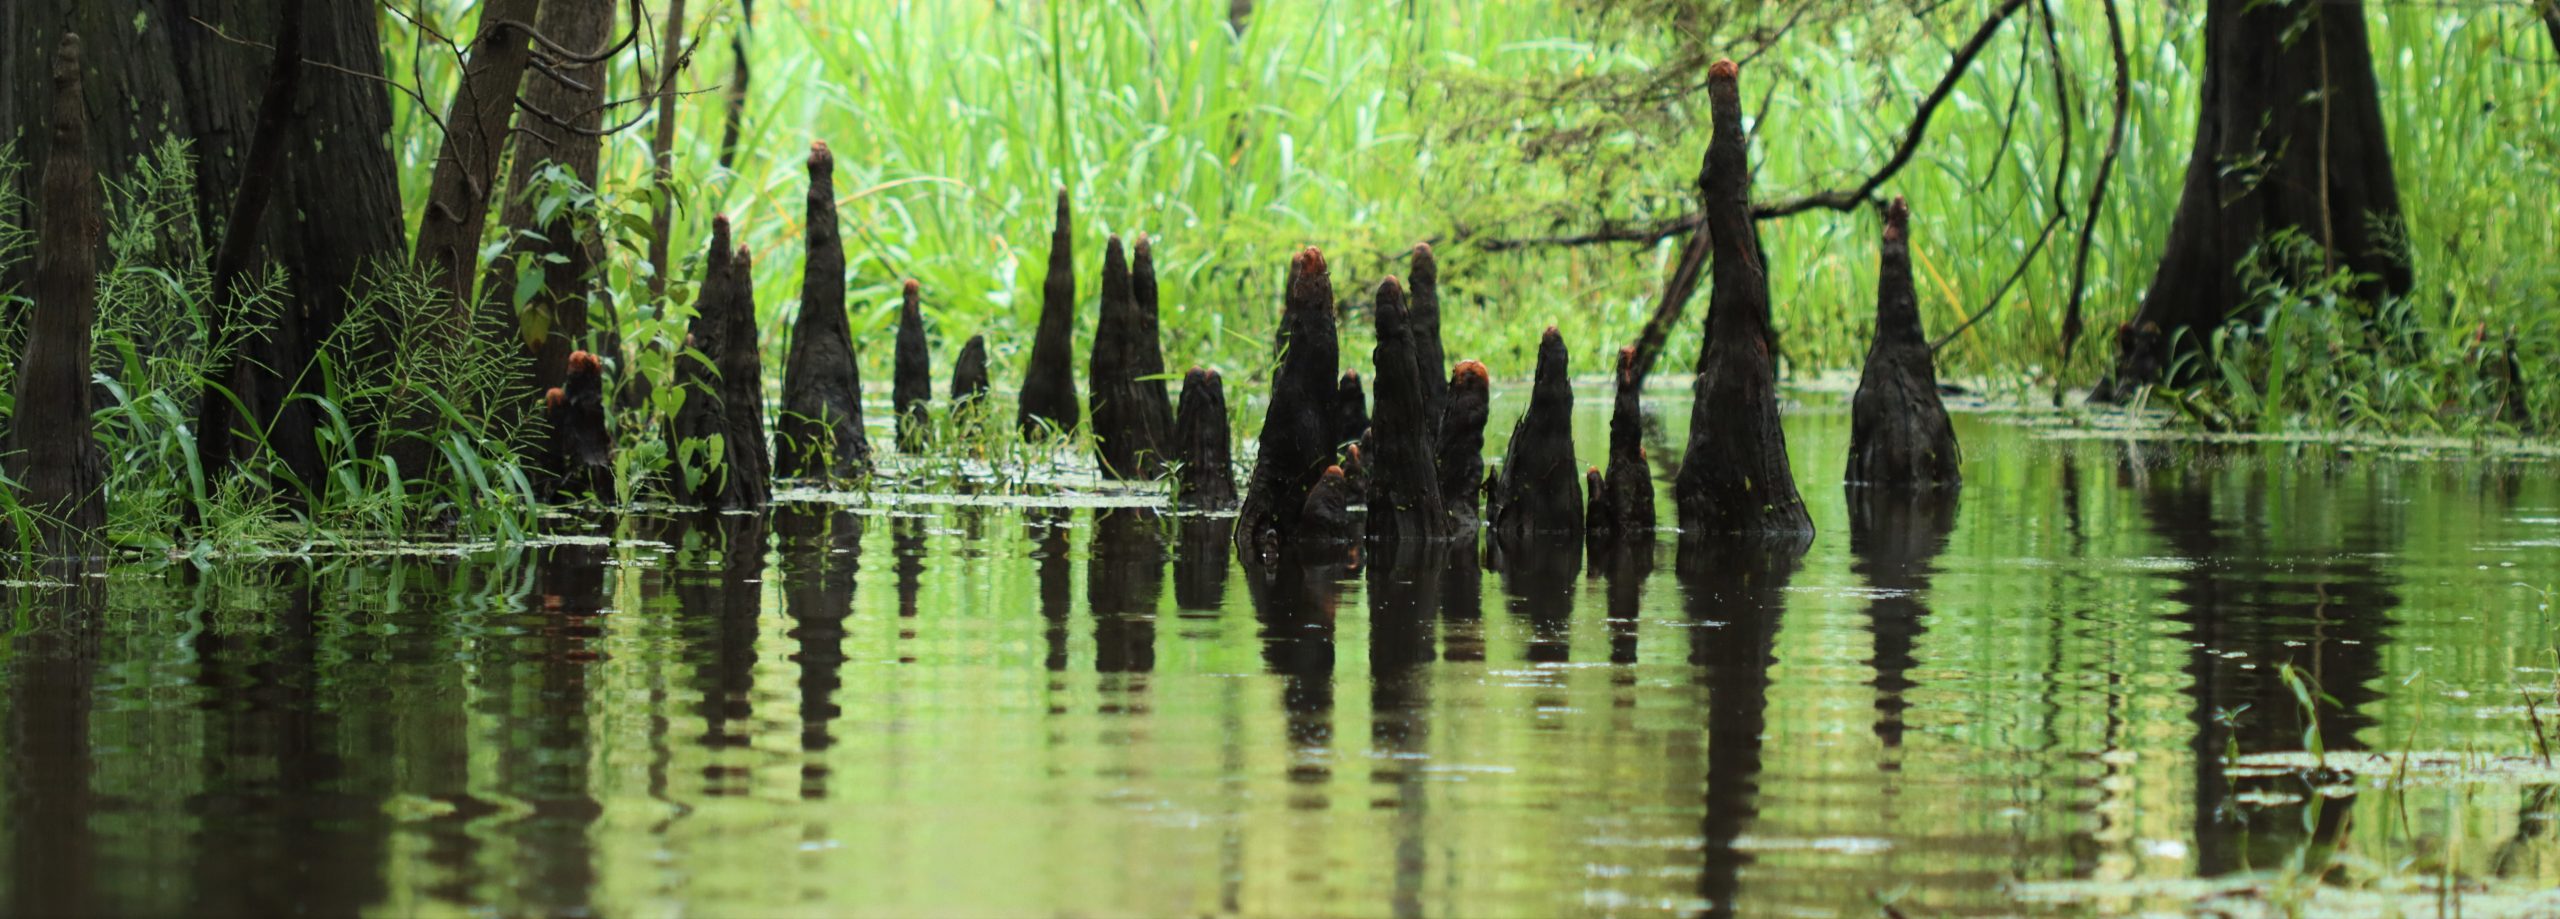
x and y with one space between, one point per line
922 706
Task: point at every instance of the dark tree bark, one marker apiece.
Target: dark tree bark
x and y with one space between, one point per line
579 441
722 376
1403 479
1541 490
554 321
662 146
733 124
1350 410
1049 401
131 79
1206 476
969 375
1735 479
820 433
1428 356
1132 419
911 386
1621 510
1460 453
477 125
219 439
2289 137
55 460
1326 514
1297 427
1899 436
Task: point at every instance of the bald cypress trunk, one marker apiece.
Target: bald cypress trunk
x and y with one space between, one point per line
1048 401
820 433
51 454
1736 479
1899 435
2289 137
477 126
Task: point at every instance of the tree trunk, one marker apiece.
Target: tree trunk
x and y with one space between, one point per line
1899 436
51 453
567 250
132 85
219 440
477 125
820 433
1048 401
2289 137
1736 479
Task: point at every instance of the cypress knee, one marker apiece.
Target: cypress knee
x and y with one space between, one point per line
1899 435
1460 456
820 433
911 386
1541 489
722 374
55 460
1424 305
1629 507
582 448
1350 410
1298 426
1403 481
1049 401
969 373
1326 514
1206 478
1132 419
1598 526
1735 479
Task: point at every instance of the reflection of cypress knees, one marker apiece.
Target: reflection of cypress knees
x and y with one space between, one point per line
969 374
1735 478
1326 514
1622 509
1425 323
1206 478
1461 449
1132 419
724 398
1298 426
1541 491
1403 480
911 386
1899 434
52 455
1350 410
820 432
1049 385
582 448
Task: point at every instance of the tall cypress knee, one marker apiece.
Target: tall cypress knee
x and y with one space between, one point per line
1297 428
820 433
1132 419
1049 384
742 389
1424 305
1460 454
55 460
1541 489
1629 480
1403 482
911 388
722 375
1206 478
1898 431
1350 409
1735 478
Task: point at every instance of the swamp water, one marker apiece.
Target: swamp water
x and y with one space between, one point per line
935 706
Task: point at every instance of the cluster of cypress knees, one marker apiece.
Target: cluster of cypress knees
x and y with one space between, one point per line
1410 448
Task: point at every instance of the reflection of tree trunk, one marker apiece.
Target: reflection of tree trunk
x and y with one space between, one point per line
1540 580
52 674
545 761
1046 529
1741 585
720 603
1295 599
2252 604
1123 580
1404 604
2290 136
